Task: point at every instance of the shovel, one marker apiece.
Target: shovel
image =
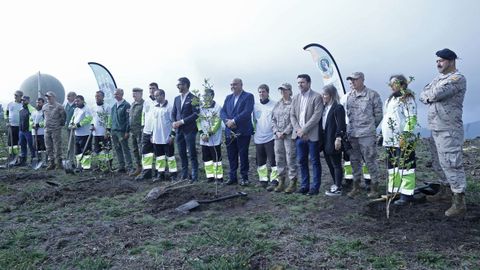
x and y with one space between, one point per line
186 207
36 164
79 166
67 163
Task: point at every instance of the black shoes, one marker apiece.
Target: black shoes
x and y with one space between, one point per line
302 190
231 182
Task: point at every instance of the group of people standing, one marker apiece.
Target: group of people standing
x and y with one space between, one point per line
288 134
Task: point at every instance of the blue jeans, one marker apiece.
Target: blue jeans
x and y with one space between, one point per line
304 149
26 139
184 141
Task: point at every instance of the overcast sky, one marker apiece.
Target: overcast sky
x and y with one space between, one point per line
258 41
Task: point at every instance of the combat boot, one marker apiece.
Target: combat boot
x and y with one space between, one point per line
272 186
355 190
51 166
292 187
137 171
59 165
458 207
22 161
146 174
373 194
444 194
281 185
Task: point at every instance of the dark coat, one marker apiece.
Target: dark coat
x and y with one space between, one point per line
120 117
332 129
241 113
189 113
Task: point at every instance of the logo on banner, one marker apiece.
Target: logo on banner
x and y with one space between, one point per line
326 68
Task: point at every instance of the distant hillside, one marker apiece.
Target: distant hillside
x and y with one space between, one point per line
472 130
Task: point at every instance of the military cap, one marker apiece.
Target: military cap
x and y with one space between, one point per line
50 94
285 86
356 75
447 54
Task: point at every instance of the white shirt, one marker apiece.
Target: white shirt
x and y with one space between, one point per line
162 123
325 114
100 115
183 97
303 107
14 113
148 118
262 114
78 115
236 98
37 118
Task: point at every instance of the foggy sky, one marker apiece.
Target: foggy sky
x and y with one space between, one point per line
258 41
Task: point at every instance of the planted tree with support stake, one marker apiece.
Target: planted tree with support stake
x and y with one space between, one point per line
209 125
399 122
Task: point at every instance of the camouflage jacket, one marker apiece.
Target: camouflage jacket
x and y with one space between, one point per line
281 117
136 115
55 116
444 98
364 112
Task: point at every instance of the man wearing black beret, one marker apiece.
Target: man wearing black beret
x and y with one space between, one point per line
444 99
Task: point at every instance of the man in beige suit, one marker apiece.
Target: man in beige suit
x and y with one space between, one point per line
307 109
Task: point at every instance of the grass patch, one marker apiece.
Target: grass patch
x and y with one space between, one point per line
93 263
15 251
184 223
392 261
112 208
4 189
342 248
149 220
17 258
431 259
224 262
239 239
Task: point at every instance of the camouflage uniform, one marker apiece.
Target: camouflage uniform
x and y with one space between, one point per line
136 130
364 111
54 121
284 148
444 98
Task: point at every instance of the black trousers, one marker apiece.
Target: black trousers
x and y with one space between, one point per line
266 151
164 150
334 163
40 143
99 143
212 153
80 142
14 137
147 145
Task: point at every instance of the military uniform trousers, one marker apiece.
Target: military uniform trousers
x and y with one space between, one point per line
449 155
364 149
285 157
53 143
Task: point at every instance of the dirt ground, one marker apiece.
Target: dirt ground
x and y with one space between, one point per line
50 220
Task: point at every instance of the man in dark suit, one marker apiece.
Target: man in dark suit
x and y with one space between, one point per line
236 113
184 116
